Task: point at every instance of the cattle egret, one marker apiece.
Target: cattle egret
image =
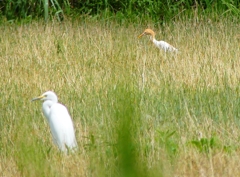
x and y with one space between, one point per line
160 44
59 120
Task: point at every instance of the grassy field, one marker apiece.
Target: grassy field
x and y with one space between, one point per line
137 110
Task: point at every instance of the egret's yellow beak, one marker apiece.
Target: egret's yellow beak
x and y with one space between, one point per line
141 35
38 98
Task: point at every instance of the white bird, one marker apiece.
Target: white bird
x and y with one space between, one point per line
160 44
59 120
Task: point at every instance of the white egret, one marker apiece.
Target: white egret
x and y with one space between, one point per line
59 120
160 44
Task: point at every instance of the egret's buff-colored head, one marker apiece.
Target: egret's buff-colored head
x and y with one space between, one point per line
147 32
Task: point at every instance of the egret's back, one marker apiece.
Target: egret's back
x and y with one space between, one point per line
164 45
61 126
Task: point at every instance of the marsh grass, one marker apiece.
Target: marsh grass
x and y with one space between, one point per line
137 111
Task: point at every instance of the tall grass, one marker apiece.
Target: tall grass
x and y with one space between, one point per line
137 111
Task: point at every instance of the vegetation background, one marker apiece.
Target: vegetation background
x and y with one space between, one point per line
161 10
137 111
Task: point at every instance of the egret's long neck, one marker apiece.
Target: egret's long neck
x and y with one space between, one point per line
46 107
152 37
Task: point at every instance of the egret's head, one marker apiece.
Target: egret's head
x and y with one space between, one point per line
49 95
147 32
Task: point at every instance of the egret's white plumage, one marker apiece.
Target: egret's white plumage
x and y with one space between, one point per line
160 44
59 120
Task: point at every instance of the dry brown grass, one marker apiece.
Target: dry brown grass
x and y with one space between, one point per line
84 63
